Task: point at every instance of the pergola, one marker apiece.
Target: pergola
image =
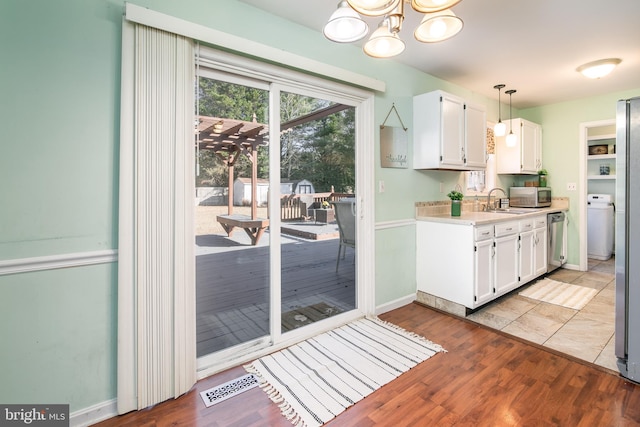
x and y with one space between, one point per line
236 138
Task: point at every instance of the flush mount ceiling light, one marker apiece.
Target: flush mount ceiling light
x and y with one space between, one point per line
500 128
598 69
345 25
512 139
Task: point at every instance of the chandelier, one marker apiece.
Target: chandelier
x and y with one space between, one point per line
345 24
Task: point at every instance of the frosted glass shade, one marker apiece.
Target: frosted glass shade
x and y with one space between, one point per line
431 6
500 129
345 25
512 139
598 69
439 26
383 43
374 7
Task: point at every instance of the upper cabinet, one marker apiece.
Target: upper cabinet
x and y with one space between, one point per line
526 156
448 133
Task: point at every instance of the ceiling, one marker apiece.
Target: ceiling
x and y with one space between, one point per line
533 46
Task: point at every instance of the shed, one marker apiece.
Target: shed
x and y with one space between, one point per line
242 192
302 186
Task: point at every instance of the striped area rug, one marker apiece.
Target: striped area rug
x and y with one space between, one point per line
560 293
319 378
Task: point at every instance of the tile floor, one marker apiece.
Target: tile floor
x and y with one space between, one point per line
586 334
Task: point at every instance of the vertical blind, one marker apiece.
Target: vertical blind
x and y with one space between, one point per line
156 277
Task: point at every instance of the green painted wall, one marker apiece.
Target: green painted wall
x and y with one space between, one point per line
59 178
561 145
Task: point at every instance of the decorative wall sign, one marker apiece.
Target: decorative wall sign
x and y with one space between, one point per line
393 144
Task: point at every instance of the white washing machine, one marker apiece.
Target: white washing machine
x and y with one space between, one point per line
600 226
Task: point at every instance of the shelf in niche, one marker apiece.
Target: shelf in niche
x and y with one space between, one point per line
601 177
601 137
601 156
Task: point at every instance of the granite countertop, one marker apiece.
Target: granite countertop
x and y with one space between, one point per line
480 218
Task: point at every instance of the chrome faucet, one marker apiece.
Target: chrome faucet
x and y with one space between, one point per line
489 197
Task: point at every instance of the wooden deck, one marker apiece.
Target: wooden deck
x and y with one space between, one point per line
232 287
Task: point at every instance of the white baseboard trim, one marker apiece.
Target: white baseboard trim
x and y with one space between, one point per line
94 414
392 305
52 262
571 267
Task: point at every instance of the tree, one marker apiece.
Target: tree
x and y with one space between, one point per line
232 101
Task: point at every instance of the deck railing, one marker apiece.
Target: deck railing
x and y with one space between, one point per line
294 207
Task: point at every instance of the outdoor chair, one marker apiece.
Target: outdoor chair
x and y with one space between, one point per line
345 213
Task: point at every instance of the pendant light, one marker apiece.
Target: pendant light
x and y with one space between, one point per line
512 138
345 25
500 128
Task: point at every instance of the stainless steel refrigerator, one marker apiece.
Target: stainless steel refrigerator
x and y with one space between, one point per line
627 337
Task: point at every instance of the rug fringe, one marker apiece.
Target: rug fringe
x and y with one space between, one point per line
285 408
436 347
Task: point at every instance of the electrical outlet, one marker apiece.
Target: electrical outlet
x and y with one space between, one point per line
571 186
441 188
381 186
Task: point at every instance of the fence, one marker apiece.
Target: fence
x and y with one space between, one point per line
296 206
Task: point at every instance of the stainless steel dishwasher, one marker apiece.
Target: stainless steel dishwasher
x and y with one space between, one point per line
557 249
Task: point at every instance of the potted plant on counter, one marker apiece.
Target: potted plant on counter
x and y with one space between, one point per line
456 202
542 177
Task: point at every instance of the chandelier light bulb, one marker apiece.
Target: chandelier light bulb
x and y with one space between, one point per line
438 28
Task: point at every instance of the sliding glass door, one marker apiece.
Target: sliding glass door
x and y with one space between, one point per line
317 172
278 211
232 234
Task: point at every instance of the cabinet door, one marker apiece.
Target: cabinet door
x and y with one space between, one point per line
526 256
506 263
475 149
540 250
530 143
452 126
483 291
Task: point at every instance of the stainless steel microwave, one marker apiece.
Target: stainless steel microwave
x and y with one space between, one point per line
530 197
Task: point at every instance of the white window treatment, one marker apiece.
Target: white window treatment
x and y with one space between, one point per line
156 272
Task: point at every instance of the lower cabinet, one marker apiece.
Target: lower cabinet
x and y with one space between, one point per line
506 259
540 245
472 265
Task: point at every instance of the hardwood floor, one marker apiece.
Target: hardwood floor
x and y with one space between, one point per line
486 378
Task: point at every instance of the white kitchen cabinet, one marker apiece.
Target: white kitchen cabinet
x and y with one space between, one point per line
448 133
526 156
472 265
445 259
506 257
484 265
540 245
526 251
